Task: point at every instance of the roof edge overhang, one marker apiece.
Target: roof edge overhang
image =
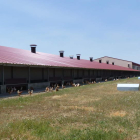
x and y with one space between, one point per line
50 66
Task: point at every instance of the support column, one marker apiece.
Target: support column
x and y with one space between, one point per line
62 76
43 74
48 75
78 73
83 74
72 73
90 75
2 75
54 72
11 72
29 75
3 87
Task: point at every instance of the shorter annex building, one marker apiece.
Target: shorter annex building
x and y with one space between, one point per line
118 62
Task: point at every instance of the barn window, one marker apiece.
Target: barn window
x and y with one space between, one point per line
100 61
112 63
107 62
128 65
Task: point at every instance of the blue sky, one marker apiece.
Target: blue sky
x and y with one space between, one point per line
90 27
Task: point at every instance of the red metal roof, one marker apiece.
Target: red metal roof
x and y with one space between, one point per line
25 57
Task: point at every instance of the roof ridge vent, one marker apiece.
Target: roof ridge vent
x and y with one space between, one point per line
71 56
61 53
33 48
91 59
78 56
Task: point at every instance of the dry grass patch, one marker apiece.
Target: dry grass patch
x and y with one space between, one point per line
77 107
85 99
69 113
118 114
59 96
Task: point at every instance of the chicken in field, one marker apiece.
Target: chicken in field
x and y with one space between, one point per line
94 82
63 86
47 89
56 89
78 85
57 86
73 84
30 92
105 80
19 92
51 89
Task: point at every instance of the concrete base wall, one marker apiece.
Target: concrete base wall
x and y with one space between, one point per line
110 78
3 89
78 81
39 85
98 79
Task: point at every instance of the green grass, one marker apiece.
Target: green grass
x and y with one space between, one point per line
91 112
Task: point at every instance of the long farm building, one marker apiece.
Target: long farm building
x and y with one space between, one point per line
24 68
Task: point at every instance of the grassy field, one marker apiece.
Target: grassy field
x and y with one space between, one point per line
91 112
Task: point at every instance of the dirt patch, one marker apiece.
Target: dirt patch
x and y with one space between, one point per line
77 107
69 113
85 99
59 97
118 114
